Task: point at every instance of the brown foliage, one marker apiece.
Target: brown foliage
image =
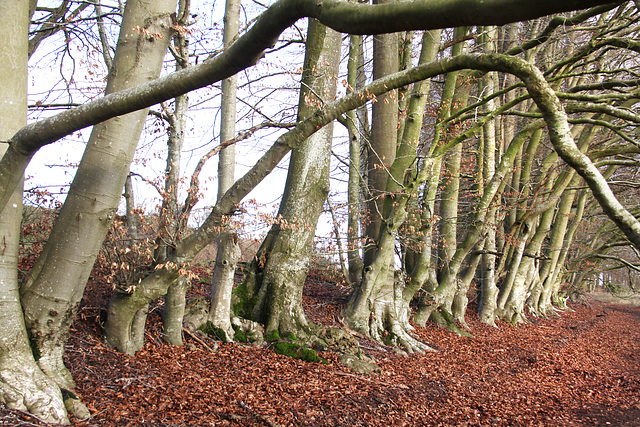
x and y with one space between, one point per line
577 369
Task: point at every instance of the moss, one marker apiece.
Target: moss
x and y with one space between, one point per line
272 336
298 352
240 302
446 320
292 337
390 339
213 331
34 349
239 335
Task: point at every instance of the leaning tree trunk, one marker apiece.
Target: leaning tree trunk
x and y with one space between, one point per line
23 385
283 260
556 240
52 294
451 99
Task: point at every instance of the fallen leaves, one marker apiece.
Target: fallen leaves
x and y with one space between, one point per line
577 369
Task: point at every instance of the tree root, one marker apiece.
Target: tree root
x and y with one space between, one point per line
25 388
404 338
444 319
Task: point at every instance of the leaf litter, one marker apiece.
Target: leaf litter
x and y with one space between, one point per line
581 368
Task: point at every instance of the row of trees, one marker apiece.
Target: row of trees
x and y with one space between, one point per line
476 156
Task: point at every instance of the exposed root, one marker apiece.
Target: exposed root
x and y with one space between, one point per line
52 364
445 319
26 388
75 406
407 341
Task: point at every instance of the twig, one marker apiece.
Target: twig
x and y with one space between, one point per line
192 335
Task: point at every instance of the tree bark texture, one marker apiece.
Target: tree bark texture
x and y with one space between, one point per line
284 258
384 137
56 283
23 385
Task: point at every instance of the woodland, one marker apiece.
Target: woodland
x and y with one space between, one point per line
458 178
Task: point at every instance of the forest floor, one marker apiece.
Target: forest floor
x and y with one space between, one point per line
581 368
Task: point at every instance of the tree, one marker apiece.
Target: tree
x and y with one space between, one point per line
283 260
84 206
55 284
23 385
228 252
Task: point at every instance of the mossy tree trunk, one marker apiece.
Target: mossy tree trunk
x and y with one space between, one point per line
277 278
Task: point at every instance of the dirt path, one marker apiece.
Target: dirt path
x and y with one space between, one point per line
579 369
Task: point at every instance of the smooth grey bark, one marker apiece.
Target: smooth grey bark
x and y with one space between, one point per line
354 197
226 161
172 220
174 309
488 271
448 207
55 285
228 253
374 307
222 283
23 386
248 49
384 137
283 260
130 199
379 306
418 259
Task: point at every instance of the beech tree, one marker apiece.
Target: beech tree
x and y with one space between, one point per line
47 300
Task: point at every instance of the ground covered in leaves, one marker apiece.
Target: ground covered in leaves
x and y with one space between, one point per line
579 369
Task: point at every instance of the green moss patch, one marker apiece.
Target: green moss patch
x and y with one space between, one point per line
213 331
298 352
240 303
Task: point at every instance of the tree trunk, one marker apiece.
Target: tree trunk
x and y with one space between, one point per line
222 284
132 221
173 222
283 259
23 386
488 271
53 291
384 137
228 253
354 196
379 306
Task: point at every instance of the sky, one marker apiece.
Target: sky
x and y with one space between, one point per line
66 72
